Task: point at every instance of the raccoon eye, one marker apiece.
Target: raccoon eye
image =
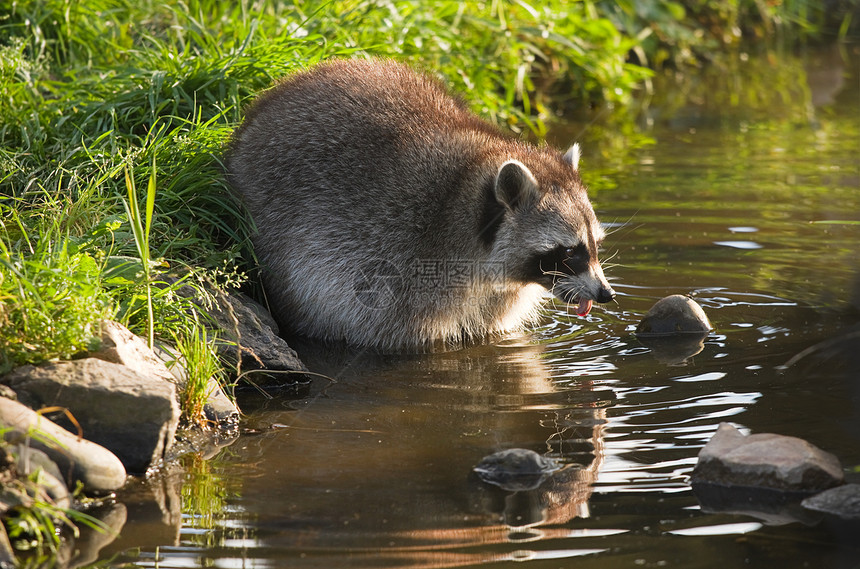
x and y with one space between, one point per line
573 252
576 258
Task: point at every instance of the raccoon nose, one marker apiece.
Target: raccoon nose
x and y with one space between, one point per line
605 294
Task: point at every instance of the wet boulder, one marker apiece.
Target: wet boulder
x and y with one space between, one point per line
765 460
516 469
249 335
674 329
79 460
675 314
133 415
842 502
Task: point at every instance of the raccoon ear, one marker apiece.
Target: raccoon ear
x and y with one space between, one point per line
572 156
515 185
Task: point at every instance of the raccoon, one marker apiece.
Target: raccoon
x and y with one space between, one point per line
389 216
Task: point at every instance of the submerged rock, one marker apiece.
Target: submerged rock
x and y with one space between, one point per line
674 329
131 414
842 502
516 469
79 460
675 314
773 507
765 461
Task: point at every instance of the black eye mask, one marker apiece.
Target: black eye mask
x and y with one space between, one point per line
566 260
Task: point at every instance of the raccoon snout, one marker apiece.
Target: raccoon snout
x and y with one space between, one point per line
605 294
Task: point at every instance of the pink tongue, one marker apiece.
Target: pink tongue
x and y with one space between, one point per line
583 308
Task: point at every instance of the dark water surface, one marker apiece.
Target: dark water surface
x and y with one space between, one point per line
741 201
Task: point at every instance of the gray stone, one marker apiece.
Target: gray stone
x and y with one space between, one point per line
30 461
261 312
247 328
675 314
842 502
79 460
120 346
135 416
765 461
516 469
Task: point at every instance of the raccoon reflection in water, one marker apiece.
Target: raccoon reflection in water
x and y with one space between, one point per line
390 216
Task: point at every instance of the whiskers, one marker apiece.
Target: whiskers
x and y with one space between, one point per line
606 264
568 294
554 274
614 228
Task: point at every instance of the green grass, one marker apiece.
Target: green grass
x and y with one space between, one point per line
51 291
200 358
101 97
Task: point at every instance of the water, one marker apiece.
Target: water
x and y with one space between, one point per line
741 202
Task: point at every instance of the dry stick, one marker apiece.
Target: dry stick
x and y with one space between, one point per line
276 371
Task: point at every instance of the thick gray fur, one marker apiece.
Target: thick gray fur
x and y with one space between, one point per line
385 210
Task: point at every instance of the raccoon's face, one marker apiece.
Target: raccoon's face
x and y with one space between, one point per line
554 235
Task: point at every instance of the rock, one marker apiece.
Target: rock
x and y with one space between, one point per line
30 460
765 461
261 312
246 324
202 443
219 408
842 502
675 314
674 329
99 470
516 469
120 346
54 488
6 391
133 415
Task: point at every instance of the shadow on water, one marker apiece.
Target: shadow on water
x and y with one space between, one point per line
748 198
